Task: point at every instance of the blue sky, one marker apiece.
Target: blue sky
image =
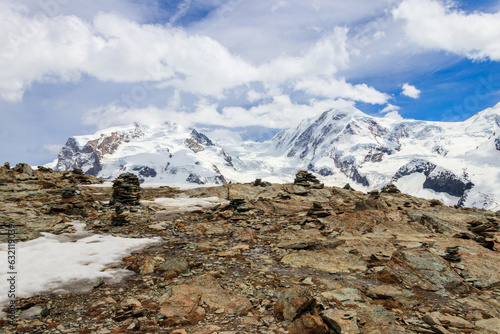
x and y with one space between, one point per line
237 69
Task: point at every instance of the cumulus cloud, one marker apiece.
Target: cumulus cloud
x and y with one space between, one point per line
111 48
335 88
394 115
114 49
435 25
410 91
389 108
280 113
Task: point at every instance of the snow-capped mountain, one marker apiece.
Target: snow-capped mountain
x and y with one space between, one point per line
162 153
458 163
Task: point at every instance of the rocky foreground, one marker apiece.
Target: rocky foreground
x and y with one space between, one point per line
275 258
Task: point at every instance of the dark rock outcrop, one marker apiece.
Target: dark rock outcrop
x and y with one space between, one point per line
437 178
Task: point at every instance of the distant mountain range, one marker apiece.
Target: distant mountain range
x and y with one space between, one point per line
457 163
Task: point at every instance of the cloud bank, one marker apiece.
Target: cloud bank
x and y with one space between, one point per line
436 25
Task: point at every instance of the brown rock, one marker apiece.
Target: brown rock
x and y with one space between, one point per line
178 331
216 297
341 321
377 320
292 303
308 324
208 329
492 325
437 319
181 306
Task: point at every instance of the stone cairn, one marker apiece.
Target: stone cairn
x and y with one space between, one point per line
318 211
126 192
70 194
486 233
452 254
348 187
259 182
390 189
80 177
306 179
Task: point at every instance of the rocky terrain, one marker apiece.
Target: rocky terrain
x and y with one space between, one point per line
270 258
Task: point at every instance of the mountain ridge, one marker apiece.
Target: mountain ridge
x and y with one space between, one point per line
453 162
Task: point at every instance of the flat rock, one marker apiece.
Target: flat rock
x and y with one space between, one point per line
181 306
492 325
330 261
341 321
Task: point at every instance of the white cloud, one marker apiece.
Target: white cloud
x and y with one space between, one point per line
260 30
394 115
410 91
222 135
112 48
389 108
434 25
279 114
339 88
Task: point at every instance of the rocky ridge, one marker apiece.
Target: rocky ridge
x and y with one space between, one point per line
276 258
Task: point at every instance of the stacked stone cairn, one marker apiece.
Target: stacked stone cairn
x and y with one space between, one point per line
80 177
317 210
239 205
306 179
390 189
452 254
348 187
259 182
70 194
126 192
486 233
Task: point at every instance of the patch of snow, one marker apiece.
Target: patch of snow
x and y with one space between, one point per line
70 262
185 204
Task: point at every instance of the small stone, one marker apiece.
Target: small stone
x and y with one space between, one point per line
110 300
156 227
130 303
178 331
308 281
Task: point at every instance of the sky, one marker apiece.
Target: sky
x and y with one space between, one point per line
234 68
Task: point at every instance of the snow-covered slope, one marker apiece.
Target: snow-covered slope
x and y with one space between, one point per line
157 153
458 163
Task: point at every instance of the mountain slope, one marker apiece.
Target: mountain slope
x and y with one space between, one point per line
449 161
161 153
458 163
